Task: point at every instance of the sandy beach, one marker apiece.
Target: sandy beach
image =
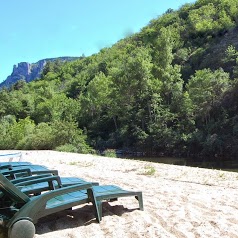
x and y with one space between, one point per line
179 201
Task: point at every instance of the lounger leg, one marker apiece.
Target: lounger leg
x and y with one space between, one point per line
96 204
140 200
22 229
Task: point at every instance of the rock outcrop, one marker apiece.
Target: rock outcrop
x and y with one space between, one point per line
28 71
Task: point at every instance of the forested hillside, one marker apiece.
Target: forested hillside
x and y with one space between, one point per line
170 89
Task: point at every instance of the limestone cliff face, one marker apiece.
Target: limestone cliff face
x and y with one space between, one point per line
28 71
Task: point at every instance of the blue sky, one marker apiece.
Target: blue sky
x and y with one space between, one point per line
32 30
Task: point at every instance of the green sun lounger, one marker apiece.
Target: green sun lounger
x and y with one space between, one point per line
23 212
40 183
8 165
11 156
24 174
98 194
20 215
29 170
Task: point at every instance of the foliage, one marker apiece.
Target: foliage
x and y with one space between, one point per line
169 89
110 153
206 88
24 134
67 148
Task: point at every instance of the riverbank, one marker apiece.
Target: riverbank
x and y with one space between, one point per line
179 201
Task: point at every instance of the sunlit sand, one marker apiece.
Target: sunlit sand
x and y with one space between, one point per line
179 201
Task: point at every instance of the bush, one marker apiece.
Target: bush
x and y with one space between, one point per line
110 153
13 132
67 148
41 138
58 135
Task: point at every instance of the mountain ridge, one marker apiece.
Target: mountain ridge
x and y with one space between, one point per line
30 71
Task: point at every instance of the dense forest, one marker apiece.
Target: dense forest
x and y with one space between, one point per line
170 89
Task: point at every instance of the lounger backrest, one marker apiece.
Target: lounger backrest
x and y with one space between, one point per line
12 191
12 155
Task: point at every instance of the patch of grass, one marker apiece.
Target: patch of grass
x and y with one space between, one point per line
73 163
80 164
130 170
89 164
183 174
149 170
222 175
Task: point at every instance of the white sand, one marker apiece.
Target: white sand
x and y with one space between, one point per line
179 201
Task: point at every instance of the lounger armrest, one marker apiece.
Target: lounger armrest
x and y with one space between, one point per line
6 166
73 183
12 173
47 171
37 206
51 194
19 180
48 179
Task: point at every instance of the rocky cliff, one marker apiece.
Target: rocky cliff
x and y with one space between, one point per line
29 71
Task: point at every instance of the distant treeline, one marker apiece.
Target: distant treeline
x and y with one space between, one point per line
171 88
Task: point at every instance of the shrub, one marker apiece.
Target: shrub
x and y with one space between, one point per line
40 139
67 148
13 132
110 153
150 170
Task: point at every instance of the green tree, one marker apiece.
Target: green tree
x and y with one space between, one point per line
14 131
59 107
206 88
164 71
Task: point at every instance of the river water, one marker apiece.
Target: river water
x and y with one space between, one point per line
227 166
